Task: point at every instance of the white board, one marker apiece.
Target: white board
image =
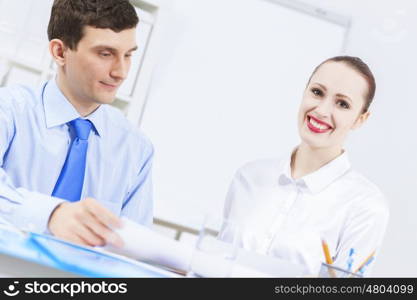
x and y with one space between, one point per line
227 90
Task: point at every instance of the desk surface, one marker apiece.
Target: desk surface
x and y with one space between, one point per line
36 255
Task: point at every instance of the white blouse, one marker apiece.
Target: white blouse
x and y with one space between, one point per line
288 218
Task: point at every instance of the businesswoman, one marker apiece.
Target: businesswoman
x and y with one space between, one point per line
286 207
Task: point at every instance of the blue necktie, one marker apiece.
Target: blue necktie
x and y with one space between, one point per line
70 181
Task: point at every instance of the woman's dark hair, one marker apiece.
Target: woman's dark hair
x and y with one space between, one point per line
69 17
362 68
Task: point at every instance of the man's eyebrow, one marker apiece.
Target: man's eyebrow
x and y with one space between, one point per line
114 50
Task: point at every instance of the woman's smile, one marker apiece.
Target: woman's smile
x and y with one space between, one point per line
317 126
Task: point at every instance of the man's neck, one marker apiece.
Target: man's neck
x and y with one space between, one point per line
84 108
306 159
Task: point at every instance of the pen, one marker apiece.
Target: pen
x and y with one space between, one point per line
362 270
366 261
350 259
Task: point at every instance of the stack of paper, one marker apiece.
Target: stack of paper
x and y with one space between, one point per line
143 244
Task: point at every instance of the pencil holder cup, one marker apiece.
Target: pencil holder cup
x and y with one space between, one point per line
331 271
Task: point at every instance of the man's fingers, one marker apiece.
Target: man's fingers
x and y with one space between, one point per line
74 238
104 232
102 213
86 223
115 240
88 236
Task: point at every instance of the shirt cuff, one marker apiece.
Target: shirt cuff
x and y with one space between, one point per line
34 213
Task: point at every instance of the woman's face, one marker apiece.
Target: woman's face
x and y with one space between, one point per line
332 105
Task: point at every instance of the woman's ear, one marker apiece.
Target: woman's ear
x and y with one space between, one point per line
57 50
360 120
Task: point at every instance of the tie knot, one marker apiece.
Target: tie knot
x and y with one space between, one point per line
82 128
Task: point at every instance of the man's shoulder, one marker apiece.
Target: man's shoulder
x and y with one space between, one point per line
19 97
124 127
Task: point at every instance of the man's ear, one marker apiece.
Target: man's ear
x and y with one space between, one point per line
57 49
361 119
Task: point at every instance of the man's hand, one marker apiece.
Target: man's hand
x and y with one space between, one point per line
85 222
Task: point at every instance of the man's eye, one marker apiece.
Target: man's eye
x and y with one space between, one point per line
343 104
105 54
316 92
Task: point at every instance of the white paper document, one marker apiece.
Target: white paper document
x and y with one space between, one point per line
143 244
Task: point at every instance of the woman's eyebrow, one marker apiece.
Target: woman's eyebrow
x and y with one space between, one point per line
337 95
344 97
319 84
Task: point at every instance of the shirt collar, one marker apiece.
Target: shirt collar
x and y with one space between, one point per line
59 111
320 179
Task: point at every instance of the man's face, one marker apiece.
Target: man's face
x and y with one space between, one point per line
95 70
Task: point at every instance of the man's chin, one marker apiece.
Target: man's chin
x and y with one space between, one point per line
105 99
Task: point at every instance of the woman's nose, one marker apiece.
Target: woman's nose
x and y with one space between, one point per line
324 108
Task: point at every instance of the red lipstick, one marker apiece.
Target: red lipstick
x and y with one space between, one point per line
316 129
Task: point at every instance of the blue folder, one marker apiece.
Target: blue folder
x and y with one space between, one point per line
83 261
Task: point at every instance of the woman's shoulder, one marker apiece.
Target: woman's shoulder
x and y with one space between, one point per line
262 170
361 182
368 194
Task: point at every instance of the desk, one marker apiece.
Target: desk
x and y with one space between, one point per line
11 266
37 255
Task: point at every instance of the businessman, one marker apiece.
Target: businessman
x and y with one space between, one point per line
70 164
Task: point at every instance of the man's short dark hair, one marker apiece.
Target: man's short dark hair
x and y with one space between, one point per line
69 17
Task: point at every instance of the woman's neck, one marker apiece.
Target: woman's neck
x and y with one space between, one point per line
306 160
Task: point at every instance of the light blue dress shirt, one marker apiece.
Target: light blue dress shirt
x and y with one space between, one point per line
34 142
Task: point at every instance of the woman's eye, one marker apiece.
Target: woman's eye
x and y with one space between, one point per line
316 92
343 104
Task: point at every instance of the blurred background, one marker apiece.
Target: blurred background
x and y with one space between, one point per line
217 83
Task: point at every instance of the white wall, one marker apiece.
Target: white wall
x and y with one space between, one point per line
227 92
384 34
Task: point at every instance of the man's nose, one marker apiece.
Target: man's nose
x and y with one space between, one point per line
120 69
